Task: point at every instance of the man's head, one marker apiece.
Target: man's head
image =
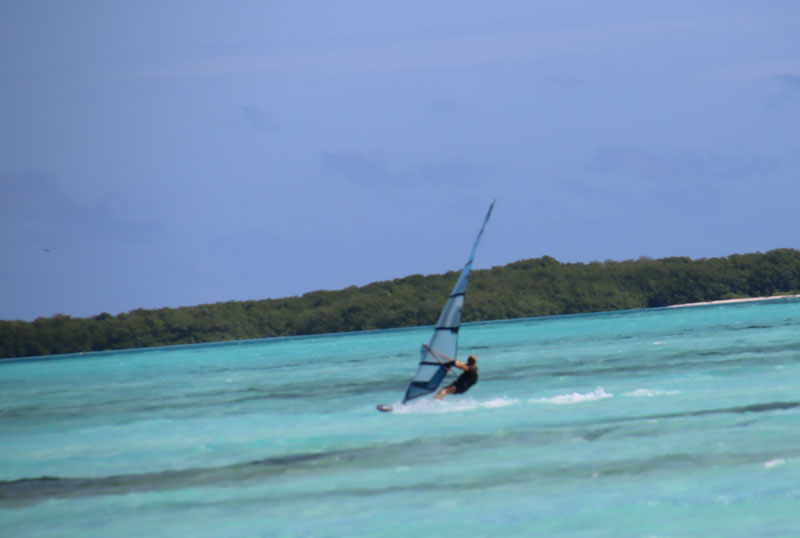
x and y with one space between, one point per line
471 360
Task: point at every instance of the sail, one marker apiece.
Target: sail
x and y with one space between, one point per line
444 342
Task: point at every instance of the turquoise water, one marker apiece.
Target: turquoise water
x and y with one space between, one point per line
667 422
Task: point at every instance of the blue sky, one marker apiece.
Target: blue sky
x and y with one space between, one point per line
173 153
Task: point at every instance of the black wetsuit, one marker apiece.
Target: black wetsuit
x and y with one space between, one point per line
466 380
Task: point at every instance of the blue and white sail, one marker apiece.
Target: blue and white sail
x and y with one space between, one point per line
444 342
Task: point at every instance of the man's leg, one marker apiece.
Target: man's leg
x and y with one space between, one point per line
445 391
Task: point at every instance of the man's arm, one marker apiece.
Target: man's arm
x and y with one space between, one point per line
460 365
457 364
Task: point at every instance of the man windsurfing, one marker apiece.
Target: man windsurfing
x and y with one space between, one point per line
464 381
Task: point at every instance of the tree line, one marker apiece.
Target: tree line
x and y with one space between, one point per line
527 288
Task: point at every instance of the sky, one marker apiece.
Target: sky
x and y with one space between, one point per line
174 153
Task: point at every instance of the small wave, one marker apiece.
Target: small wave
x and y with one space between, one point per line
576 397
503 401
652 392
774 463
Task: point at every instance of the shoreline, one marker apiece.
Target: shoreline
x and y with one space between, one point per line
742 300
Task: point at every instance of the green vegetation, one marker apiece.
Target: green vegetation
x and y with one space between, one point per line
536 287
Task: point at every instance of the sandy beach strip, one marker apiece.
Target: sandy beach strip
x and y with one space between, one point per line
742 300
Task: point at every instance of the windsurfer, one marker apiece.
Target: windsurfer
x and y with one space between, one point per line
464 381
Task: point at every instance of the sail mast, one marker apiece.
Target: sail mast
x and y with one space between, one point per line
444 340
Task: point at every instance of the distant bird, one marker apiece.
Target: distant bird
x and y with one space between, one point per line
46 250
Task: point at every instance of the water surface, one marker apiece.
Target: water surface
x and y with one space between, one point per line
665 422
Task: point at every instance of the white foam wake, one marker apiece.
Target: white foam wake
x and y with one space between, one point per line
774 463
452 405
576 397
652 392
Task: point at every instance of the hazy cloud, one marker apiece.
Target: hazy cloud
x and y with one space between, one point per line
565 82
450 108
790 89
648 180
635 162
791 81
23 196
35 208
465 46
363 170
356 167
258 119
453 172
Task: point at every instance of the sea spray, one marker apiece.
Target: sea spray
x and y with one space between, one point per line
576 397
647 393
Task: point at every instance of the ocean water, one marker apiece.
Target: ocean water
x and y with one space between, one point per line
663 423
